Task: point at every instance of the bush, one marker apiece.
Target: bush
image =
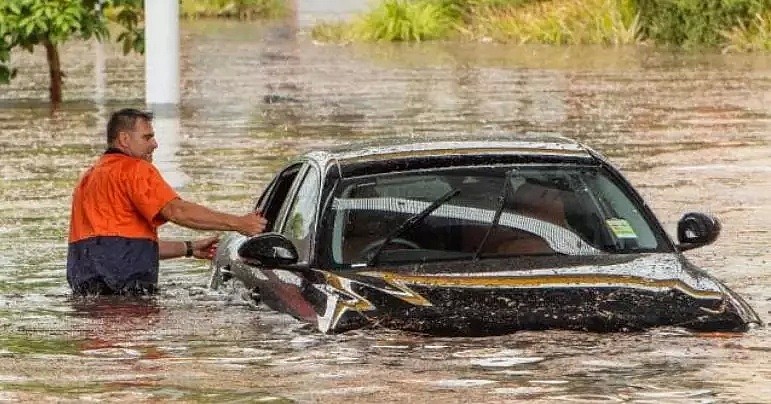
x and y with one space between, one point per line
608 22
695 22
739 24
405 20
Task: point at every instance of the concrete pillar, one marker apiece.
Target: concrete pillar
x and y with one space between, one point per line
161 52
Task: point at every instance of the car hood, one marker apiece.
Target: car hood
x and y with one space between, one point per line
650 270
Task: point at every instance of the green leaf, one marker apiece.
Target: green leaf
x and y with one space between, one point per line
14 7
41 24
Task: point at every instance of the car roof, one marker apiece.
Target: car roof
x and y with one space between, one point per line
455 146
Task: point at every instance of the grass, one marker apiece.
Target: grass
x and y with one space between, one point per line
392 20
233 9
754 37
607 22
333 32
240 9
404 20
554 22
610 22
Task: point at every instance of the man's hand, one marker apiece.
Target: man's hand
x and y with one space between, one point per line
205 247
252 223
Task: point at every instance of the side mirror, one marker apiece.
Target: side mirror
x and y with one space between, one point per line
268 250
696 230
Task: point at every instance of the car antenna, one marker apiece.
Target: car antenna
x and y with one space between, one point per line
412 221
497 215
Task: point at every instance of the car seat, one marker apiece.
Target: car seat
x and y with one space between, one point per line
539 202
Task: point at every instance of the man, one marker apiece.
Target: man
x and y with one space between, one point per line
117 207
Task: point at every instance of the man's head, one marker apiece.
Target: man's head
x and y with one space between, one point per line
540 202
131 131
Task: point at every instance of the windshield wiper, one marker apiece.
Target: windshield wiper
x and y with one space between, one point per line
497 215
412 221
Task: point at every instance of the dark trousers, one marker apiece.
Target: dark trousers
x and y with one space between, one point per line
109 265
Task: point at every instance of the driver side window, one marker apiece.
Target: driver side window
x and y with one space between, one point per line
276 195
301 215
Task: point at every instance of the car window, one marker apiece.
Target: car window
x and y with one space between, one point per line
301 214
275 195
543 210
627 225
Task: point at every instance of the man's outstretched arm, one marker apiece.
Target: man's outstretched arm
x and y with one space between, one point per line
195 216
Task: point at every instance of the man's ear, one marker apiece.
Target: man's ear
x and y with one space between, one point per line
122 139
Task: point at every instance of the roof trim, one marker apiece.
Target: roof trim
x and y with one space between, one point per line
444 149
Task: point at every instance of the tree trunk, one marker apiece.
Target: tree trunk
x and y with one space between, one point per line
54 71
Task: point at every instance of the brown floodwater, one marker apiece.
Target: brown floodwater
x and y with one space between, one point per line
690 130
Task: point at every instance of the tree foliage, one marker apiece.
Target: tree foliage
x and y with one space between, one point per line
26 24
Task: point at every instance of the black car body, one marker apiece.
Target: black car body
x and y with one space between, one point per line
462 238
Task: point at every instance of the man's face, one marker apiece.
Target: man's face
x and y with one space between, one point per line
140 142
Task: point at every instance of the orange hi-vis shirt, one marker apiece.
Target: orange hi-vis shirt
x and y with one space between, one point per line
119 196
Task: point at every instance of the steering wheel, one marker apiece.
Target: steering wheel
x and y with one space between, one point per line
370 248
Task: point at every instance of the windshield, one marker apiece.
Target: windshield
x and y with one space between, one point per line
495 212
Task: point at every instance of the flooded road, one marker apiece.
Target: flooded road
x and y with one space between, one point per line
691 131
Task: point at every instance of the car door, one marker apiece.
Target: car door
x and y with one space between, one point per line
295 219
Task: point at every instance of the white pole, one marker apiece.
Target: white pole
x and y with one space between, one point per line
161 52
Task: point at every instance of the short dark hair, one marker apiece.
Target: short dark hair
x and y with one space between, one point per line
123 120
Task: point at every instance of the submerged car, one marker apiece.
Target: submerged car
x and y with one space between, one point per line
474 238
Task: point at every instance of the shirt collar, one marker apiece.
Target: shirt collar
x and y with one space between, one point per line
114 150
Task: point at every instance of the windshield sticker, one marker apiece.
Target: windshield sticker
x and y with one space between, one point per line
621 228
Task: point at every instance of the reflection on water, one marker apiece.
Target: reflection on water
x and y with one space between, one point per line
100 76
166 126
690 130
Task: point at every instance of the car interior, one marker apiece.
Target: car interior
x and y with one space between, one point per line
364 229
542 210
